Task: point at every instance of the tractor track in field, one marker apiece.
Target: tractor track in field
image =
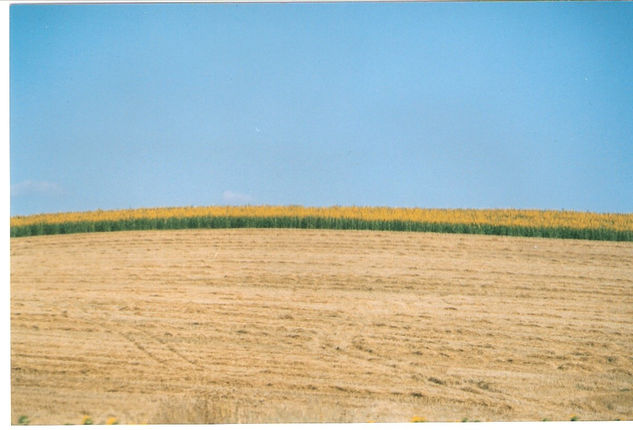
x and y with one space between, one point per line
319 325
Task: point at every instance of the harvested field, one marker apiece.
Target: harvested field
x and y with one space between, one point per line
281 325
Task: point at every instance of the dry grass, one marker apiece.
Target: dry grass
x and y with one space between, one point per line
197 410
319 326
206 409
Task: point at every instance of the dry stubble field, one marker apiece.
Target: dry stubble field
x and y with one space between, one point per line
319 326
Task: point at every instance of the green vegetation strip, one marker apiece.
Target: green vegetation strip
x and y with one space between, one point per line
317 223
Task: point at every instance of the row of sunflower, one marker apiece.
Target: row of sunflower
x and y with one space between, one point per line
515 222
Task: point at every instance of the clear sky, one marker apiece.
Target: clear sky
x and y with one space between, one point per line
456 105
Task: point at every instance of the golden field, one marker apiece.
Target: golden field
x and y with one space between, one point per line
256 325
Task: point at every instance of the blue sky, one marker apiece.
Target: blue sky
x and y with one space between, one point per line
454 105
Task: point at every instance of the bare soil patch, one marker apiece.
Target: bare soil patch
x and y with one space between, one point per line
319 326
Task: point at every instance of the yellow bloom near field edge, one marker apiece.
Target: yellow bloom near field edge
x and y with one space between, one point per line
496 217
